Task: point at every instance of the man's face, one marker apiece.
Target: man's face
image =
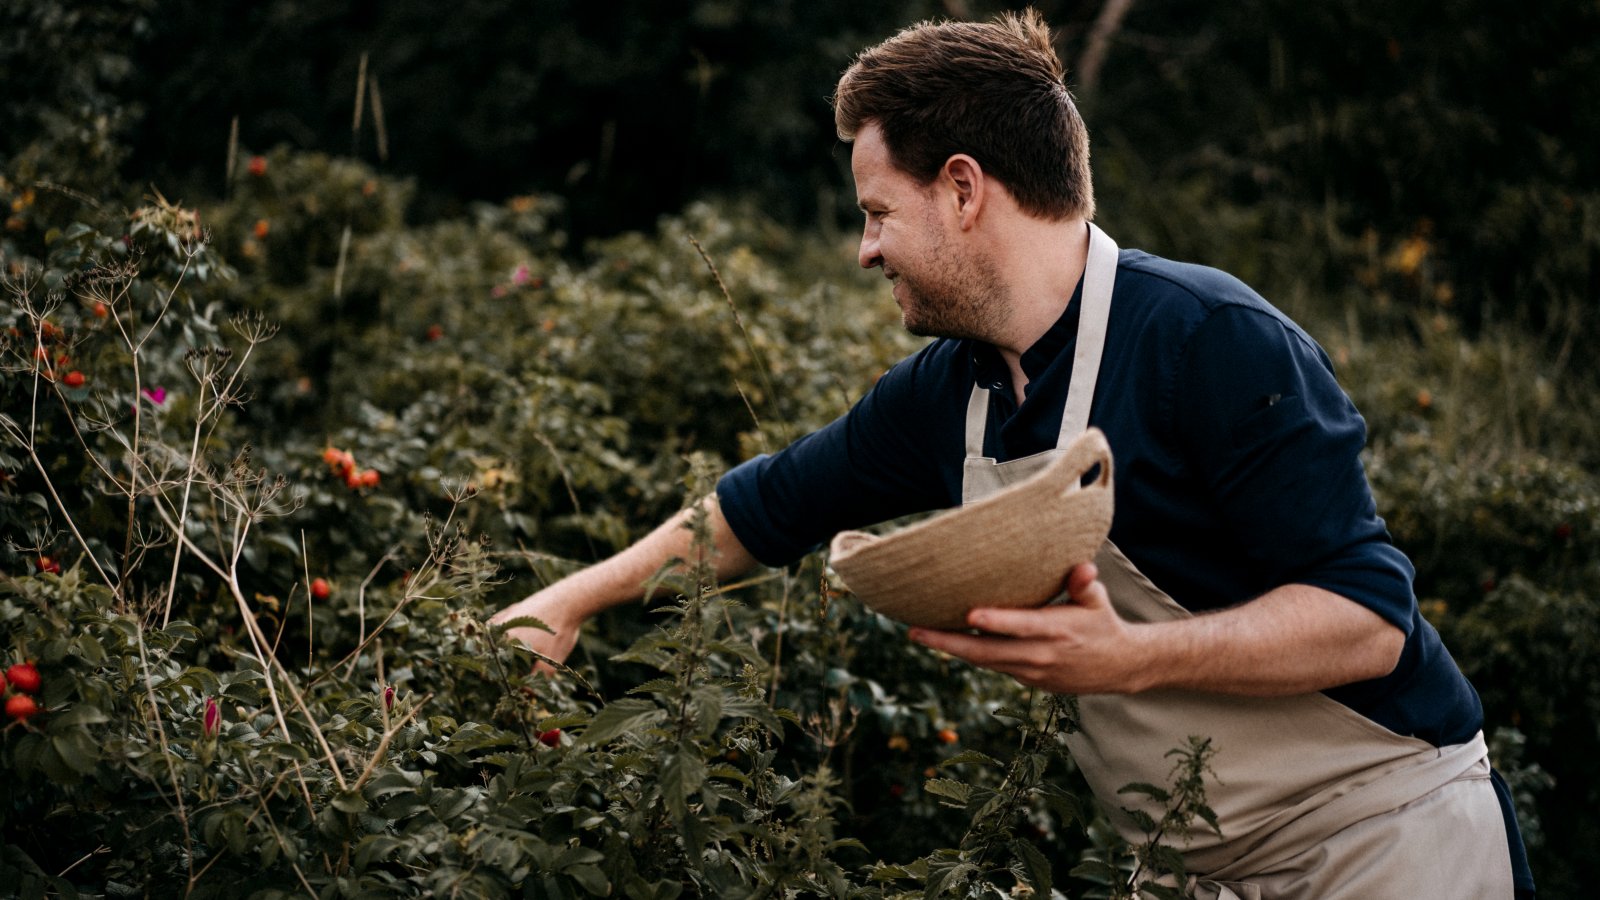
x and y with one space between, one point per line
942 287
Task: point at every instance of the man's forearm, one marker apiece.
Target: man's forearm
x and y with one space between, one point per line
564 606
621 578
1292 640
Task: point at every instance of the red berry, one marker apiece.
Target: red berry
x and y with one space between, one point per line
370 478
435 332
24 677
21 706
48 566
101 310
320 588
948 736
74 379
551 738
258 166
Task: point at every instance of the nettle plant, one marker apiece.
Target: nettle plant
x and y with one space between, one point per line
252 667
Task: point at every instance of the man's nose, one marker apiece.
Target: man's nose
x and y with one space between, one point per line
868 255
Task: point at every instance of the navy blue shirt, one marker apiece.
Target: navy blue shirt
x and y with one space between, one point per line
1237 454
1237 459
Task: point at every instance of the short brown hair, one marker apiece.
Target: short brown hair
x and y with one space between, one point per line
992 90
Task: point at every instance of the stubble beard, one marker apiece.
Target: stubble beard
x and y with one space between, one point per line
961 299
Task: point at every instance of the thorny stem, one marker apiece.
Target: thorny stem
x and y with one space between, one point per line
166 753
383 743
27 441
183 506
755 356
258 642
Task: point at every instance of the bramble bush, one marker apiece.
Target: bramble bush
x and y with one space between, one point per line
269 467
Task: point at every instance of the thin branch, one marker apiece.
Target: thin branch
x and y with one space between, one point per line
1101 34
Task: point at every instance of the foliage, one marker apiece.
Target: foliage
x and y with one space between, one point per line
263 673
529 404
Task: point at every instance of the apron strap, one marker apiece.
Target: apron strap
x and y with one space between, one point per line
1100 272
977 420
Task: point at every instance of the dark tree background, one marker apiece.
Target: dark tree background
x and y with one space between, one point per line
1318 134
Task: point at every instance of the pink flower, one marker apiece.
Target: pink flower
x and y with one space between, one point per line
498 290
521 276
156 395
388 697
212 722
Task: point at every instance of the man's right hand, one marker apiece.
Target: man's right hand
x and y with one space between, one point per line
555 612
567 604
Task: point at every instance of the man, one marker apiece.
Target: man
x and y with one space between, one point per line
1249 591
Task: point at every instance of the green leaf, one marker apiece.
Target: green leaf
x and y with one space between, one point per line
591 879
957 791
1160 795
681 776
350 802
1038 867
621 717
521 622
966 757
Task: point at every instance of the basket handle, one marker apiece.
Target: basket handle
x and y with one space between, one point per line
1085 452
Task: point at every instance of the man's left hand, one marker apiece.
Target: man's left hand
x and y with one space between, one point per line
1081 647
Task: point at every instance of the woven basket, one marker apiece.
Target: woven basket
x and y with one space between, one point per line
1013 548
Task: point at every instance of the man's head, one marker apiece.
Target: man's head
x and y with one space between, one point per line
993 91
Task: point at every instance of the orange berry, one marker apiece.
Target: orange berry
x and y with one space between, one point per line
948 736
21 707
25 678
331 456
101 310
263 227
370 478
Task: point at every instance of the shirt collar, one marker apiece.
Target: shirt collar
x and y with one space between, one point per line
989 370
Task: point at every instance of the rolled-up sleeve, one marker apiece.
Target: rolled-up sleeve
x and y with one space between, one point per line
879 461
1278 444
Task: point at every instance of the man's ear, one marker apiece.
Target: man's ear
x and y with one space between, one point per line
966 182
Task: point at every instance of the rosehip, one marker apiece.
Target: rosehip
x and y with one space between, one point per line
331 456
74 379
320 588
24 677
370 478
551 738
48 566
101 310
21 706
435 332
948 736
262 229
258 166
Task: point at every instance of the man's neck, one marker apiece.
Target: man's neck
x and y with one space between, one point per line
1043 261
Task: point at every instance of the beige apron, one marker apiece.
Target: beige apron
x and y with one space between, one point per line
1314 800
